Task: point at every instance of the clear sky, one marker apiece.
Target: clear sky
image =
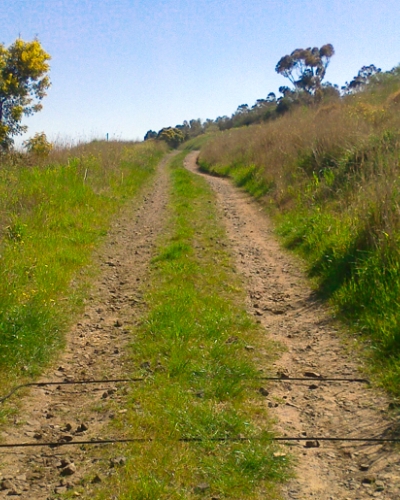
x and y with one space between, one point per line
126 66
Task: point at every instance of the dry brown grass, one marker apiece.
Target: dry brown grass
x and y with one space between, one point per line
334 172
343 135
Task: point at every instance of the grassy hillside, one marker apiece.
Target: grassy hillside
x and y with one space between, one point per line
53 213
331 173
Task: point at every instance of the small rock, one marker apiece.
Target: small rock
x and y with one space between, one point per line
312 375
364 467
97 479
313 386
367 480
63 463
201 488
263 391
6 484
312 444
119 461
232 340
82 427
68 470
249 347
66 438
14 492
118 323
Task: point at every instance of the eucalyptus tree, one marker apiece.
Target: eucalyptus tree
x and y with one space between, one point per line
306 68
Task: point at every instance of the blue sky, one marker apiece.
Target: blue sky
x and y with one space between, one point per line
126 66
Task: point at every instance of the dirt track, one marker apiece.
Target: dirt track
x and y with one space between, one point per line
281 300
95 350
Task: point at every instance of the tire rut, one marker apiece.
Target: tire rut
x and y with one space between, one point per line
281 300
95 349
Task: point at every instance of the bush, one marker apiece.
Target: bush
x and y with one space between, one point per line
38 145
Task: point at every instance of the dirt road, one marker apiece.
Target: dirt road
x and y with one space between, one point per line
281 299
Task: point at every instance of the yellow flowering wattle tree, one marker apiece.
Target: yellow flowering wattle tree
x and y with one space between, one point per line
23 84
38 145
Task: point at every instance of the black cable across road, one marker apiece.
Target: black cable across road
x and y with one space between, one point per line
127 380
314 441
70 382
316 378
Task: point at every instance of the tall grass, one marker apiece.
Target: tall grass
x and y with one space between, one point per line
333 181
52 215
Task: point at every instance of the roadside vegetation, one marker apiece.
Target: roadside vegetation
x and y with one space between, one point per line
54 210
330 173
201 381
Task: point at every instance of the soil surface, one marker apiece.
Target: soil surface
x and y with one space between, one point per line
283 302
96 349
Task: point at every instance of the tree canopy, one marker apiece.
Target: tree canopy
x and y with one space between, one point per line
23 84
306 68
362 79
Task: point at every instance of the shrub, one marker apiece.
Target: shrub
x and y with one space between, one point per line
38 145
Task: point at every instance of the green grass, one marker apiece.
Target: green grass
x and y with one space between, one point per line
53 216
351 246
197 142
361 282
201 380
248 177
329 175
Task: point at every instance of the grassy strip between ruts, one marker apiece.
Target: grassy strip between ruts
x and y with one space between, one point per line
201 382
53 216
